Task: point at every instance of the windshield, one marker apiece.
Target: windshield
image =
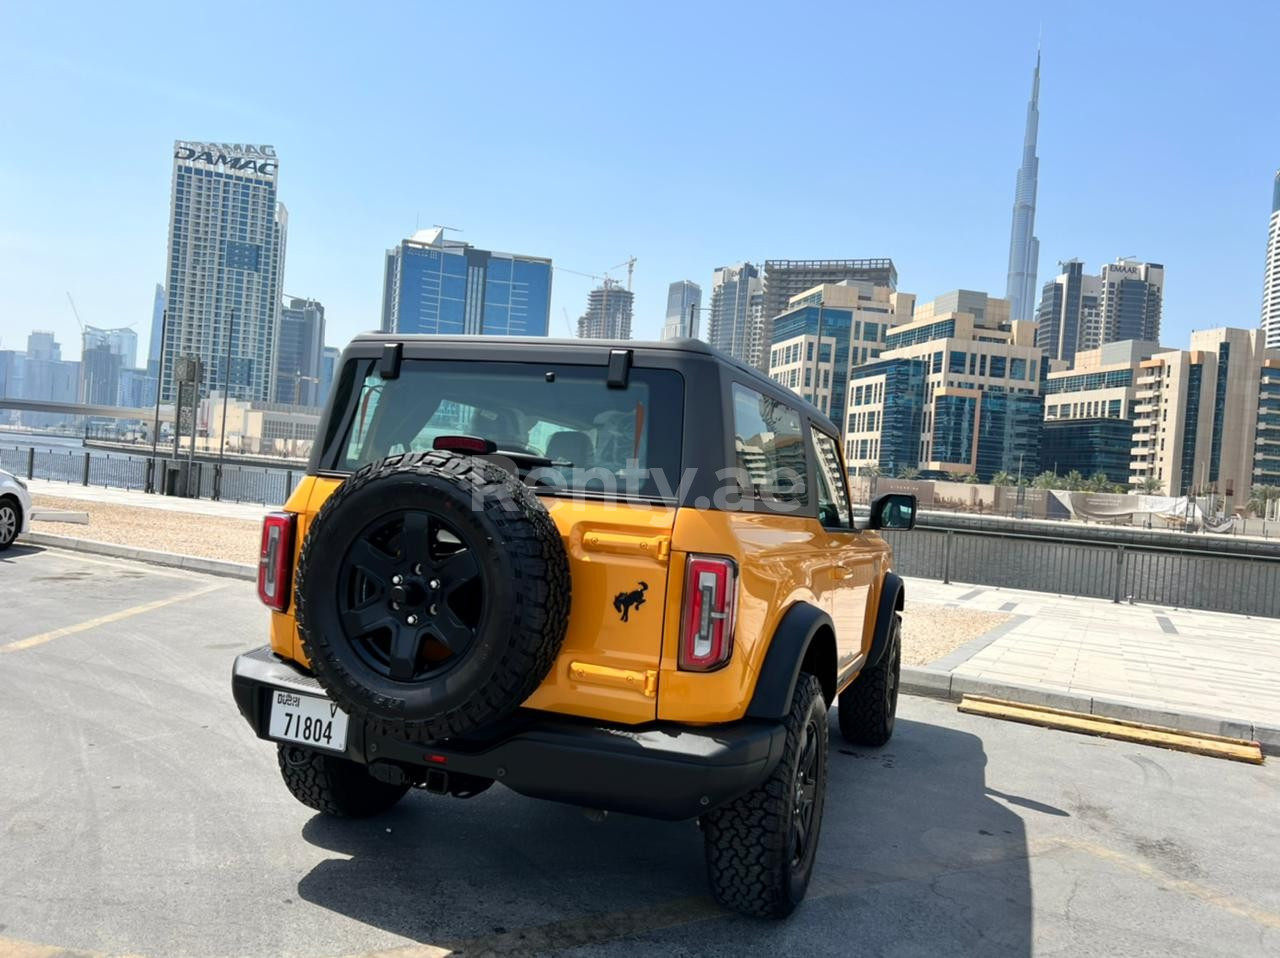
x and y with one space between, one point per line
591 437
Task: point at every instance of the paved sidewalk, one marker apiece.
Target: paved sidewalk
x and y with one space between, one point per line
1171 659
129 497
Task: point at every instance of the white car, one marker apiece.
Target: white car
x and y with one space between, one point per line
15 508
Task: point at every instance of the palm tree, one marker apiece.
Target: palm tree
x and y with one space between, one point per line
972 479
1098 482
1002 478
1047 480
957 475
1073 480
908 472
1149 486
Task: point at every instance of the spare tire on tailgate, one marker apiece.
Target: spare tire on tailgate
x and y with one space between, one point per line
432 594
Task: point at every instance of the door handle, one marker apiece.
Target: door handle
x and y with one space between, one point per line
841 572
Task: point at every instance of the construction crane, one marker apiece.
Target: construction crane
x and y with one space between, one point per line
630 264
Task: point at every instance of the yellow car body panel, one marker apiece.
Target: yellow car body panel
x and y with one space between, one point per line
607 667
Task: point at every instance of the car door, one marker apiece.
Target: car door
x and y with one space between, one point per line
853 566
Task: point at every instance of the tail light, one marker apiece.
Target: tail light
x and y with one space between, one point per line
275 560
710 606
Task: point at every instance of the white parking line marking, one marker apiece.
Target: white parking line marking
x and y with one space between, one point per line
43 637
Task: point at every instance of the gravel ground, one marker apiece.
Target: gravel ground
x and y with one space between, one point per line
931 631
210 537
928 631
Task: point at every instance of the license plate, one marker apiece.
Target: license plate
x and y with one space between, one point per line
308 720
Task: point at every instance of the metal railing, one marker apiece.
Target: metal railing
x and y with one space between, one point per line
231 483
1123 572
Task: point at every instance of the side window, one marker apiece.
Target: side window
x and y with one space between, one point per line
833 497
769 446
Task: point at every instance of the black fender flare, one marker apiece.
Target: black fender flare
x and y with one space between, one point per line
892 594
788 651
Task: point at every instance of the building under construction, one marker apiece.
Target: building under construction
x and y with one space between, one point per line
608 314
784 278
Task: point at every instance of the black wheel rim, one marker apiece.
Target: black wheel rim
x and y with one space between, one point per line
8 524
411 595
805 794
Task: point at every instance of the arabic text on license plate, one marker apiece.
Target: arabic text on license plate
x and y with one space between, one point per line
308 720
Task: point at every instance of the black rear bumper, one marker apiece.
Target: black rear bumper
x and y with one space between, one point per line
659 771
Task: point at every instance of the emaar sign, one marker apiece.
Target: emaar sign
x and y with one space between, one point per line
240 157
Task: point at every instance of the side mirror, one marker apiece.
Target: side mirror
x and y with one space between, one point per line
894 510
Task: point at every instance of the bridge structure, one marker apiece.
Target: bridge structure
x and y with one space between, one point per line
88 410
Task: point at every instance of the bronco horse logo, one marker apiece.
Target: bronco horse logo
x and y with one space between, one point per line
624 602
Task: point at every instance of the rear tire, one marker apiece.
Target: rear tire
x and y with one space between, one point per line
760 848
868 706
334 785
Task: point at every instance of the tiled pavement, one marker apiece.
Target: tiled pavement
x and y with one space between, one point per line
1181 661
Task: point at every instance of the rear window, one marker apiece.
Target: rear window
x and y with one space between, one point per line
597 439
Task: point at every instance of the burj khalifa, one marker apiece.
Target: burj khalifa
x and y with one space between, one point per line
1024 248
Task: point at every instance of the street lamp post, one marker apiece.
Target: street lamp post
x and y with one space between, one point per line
226 395
155 426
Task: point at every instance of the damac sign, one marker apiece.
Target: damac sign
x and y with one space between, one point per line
244 158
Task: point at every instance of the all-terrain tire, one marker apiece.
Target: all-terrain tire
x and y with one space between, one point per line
868 706
334 785
525 609
750 844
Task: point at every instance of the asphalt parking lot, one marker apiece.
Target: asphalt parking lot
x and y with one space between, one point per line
138 815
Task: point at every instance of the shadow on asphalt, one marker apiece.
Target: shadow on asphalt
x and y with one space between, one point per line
19 551
918 855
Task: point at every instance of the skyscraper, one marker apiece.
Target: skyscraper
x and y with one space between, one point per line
157 331
784 278
299 353
729 327
226 256
1132 301
1070 304
683 300
608 314
1271 274
104 354
437 285
1024 248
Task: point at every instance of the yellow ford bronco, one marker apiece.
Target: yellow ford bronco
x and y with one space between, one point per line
621 575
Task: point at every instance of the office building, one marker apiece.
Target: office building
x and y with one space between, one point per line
737 308
827 330
436 285
1266 449
1070 302
956 391
1024 248
1087 446
1079 311
227 233
137 389
608 314
1099 385
104 353
1271 273
784 278
329 358
1196 419
684 299
157 332
1131 305
299 352
47 377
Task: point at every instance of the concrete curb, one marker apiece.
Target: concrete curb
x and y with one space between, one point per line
231 570
940 684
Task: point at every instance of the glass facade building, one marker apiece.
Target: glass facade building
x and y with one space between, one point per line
683 302
299 353
226 251
1088 446
731 318
1266 455
1024 248
435 285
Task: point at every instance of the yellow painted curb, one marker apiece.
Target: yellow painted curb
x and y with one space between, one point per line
1215 746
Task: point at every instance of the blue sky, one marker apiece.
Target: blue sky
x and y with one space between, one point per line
689 135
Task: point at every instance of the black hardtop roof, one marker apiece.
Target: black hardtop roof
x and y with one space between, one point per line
688 347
